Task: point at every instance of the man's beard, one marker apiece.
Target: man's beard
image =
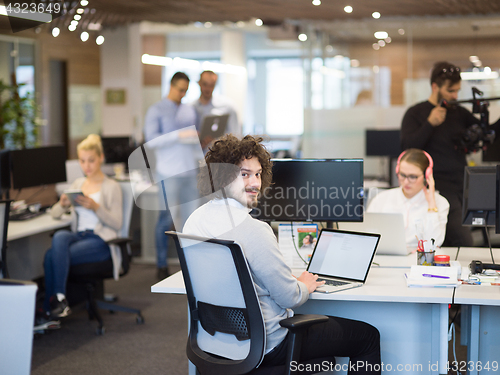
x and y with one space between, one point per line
254 202
439 98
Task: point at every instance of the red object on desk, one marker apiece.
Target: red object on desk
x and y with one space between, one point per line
442 260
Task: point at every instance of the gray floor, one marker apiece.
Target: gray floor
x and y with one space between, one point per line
156 347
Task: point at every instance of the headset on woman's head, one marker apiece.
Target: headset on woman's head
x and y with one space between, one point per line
428 170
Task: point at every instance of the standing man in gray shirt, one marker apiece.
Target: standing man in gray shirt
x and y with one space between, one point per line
169 129
236 172
208 104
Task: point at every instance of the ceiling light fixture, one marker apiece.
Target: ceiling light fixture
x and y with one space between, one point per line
376 15
79 10
84 3
381 34
401 31
94 26
316 2
99 40
259 22
193 64
77 17
72 27
302 37
348 9
478 75
55 32
84 36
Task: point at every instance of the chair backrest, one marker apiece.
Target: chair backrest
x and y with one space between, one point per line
4 224
16 326
128 205
226 319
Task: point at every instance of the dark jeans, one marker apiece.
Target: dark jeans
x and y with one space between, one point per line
69 248
338 337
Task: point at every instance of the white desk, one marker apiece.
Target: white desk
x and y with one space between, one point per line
480 323
28 241
412 322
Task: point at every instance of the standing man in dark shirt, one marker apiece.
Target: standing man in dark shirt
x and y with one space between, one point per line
438 129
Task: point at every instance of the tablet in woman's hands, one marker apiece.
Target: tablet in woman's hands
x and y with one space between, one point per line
72 194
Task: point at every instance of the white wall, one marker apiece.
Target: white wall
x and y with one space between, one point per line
119 71
340 133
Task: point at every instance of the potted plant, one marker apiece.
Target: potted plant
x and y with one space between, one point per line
18 118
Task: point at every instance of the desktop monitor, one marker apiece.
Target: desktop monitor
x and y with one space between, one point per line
116 149
383 143
4 171
37 166
314 190
479 203
497 206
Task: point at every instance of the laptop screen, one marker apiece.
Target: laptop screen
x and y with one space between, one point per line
344 255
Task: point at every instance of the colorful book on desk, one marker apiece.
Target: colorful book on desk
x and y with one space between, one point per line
432 277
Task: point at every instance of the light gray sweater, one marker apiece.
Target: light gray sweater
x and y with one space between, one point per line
278 291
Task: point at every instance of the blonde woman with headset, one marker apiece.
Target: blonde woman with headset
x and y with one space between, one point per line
424 210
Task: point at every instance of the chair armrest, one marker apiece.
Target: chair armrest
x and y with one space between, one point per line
299 322
119 241
122 243
296 325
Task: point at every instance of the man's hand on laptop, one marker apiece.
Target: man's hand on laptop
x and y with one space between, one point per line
310 280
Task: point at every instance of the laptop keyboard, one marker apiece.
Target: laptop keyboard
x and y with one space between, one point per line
332 282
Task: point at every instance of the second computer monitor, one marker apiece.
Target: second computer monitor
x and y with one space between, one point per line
314 190
37 166
479 204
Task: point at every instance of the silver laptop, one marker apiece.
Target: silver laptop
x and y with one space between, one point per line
390 226
342 258
213 126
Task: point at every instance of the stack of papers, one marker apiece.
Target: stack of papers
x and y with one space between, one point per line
432 276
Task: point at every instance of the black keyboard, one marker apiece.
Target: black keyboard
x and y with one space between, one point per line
332 282
25 215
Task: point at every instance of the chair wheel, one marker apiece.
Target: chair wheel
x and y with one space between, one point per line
139 319
100 331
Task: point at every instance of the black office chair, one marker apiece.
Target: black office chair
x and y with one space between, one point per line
4 225
227 330
91 276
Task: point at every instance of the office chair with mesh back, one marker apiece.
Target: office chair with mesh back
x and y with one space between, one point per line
92 275
227 331
4 224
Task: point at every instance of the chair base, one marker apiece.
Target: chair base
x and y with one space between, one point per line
93 293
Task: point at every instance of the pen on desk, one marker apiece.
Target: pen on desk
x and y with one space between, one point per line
436 276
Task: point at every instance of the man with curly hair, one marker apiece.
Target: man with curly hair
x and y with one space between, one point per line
236 172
